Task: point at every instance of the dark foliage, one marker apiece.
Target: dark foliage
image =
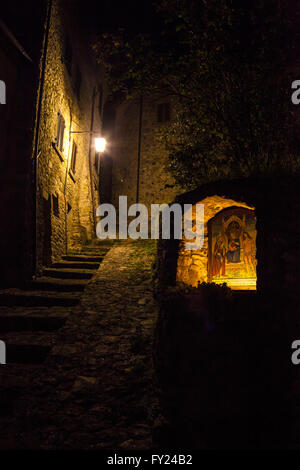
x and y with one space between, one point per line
225 64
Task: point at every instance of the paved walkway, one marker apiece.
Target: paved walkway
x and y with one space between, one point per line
95 390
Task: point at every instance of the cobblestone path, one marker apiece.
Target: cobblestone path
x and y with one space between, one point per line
95 389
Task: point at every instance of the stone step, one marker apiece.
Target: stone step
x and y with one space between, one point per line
8 397
13 384
17 323
57 285
95 259
27 347
107 242
16 297
91 249
40 310
26 353
68 273
76 265
88 254
88 249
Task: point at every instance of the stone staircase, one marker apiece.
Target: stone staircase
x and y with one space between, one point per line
30 317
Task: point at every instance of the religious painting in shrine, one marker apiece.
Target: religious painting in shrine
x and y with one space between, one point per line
232 248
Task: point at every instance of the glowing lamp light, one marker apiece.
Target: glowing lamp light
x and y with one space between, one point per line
100 144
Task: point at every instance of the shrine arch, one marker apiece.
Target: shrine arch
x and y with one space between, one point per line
228 254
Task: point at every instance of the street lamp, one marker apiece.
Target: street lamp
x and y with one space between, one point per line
100 144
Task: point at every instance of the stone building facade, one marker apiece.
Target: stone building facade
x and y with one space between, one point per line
49 166
140 160
68 165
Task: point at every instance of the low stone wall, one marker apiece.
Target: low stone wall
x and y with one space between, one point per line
224 369
217 376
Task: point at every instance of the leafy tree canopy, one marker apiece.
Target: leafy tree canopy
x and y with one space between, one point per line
225 63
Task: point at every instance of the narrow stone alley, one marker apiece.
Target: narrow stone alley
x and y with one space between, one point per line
79 353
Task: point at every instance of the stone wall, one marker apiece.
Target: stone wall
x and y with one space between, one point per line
77 193
156 185
21 74
224 362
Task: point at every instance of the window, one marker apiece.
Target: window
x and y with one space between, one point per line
68 54
77 83
55 205
163 112
60 132
73 158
